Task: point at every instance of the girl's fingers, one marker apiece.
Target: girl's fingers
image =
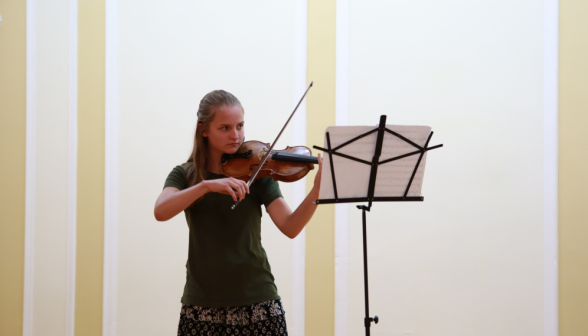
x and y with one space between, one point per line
242 190
231 192
245 185
237 187
234 189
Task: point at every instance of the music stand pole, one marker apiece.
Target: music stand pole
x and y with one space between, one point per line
368 320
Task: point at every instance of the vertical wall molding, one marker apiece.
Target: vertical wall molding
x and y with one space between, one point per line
550 168
342 57
72 170
111 174
27 329
342 210
299 187
320 232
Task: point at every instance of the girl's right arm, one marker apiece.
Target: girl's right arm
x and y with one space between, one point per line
172 201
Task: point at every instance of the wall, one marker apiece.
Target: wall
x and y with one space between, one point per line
90 185
50 166
468 260
13 164
573 163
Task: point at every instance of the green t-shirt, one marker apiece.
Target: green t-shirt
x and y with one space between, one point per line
227 266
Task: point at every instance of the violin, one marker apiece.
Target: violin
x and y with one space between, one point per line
286 165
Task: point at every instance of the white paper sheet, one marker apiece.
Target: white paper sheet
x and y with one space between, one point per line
352 177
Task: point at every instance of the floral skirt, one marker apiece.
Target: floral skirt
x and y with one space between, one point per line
265 318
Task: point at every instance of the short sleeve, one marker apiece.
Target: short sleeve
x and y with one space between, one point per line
268 190
177 179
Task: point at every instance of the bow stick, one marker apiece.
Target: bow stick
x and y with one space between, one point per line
252 178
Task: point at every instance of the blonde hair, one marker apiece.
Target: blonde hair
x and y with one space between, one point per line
197 164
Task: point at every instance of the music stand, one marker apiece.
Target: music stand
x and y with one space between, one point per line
390 186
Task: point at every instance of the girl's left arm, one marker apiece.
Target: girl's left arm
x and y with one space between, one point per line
292 223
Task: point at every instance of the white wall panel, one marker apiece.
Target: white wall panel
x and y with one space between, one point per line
51 167
169 56
468 260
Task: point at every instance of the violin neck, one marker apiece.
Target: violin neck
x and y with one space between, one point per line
278 156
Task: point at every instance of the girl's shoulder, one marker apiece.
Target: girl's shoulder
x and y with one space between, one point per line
177 178
185 166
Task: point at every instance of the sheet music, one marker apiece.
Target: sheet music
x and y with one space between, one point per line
352 178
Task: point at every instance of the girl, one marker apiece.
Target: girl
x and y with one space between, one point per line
229 287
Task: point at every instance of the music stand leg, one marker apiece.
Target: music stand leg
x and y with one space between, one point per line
367 320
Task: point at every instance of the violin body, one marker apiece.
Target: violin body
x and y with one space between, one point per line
287 165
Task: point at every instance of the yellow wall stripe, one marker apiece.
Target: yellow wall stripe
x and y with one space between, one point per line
573 165
90 207
320 233
12 163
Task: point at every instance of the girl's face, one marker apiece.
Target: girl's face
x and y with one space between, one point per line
226 131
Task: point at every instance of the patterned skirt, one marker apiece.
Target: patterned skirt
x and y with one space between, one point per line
265 318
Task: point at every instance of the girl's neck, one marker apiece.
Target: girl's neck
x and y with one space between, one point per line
214 162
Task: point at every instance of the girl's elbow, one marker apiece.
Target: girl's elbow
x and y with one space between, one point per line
159 216
291 235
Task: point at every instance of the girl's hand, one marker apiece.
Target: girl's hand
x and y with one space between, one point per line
230 186
317 178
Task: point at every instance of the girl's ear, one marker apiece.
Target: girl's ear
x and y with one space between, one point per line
205 133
